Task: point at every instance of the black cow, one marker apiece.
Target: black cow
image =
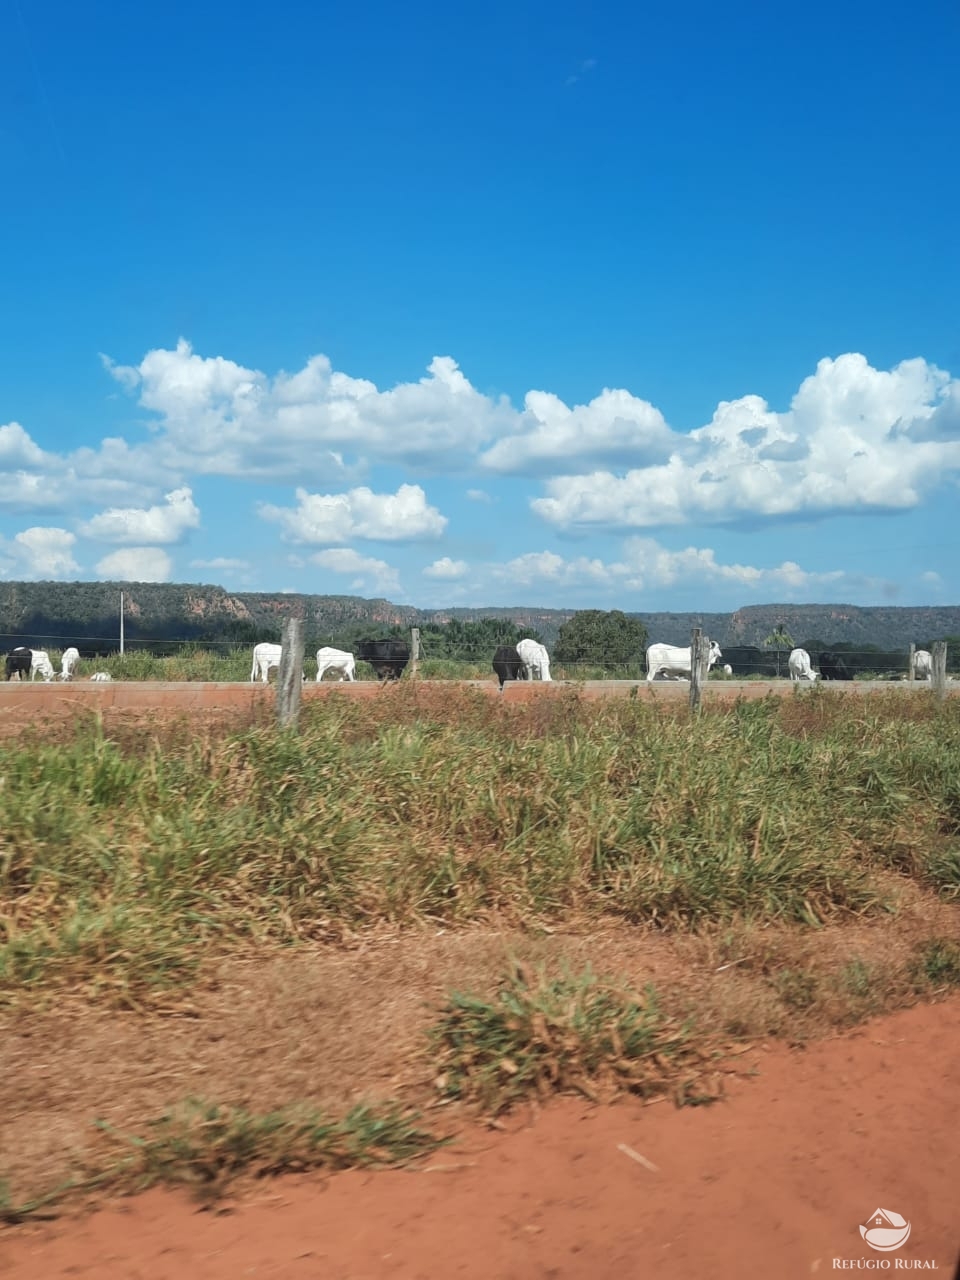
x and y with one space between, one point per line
832 667
387 657
748 660
20 661
508 664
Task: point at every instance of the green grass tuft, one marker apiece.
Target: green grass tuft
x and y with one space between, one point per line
542 1034
937 964
206 1146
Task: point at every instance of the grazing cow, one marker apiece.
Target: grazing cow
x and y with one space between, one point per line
41 662
265 656
799 665
101 675
19 662
832 667
667 657
748 660
22 660
923 665
535 659
68 663
508 664
387 657
336 660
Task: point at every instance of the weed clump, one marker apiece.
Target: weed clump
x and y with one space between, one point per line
540 1035
205 1146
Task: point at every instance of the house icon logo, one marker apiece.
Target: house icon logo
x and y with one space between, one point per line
885 1230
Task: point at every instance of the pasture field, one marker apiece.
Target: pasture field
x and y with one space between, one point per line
239 948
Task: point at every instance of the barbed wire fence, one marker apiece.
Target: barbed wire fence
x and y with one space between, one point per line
435 658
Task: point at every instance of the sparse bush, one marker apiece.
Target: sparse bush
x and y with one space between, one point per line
540 1035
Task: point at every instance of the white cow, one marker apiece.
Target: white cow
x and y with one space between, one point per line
265 656
68 663
668 658
535 659
101 675
800 666
336 660
923 665
41 662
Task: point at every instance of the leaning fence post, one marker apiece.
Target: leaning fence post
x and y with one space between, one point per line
290 675
910 674
414 650
939 656
698 647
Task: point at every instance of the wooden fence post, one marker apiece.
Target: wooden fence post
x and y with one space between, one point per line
910 675
414 651
290 675
699 657
939 656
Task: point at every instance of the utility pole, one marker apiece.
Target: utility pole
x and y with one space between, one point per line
121 624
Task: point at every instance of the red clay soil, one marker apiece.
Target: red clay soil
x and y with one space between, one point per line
772 1182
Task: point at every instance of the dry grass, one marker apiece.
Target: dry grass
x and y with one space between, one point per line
276 921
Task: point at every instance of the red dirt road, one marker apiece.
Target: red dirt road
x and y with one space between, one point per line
771 1183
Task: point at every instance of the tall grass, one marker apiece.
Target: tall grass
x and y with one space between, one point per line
123 863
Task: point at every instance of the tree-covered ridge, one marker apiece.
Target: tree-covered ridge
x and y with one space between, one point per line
88 614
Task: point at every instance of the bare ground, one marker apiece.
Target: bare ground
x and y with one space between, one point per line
771 1182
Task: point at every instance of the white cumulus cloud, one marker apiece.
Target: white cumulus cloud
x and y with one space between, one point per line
136 564
615 426
853 440
17 449
645 564
336 517
43 553
368 573
32 479
217 417
446 568
159 524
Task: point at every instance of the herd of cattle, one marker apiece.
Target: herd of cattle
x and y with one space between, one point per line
22 662
387 657
526 660
529 660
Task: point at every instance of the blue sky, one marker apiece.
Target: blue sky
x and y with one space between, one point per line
648 307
